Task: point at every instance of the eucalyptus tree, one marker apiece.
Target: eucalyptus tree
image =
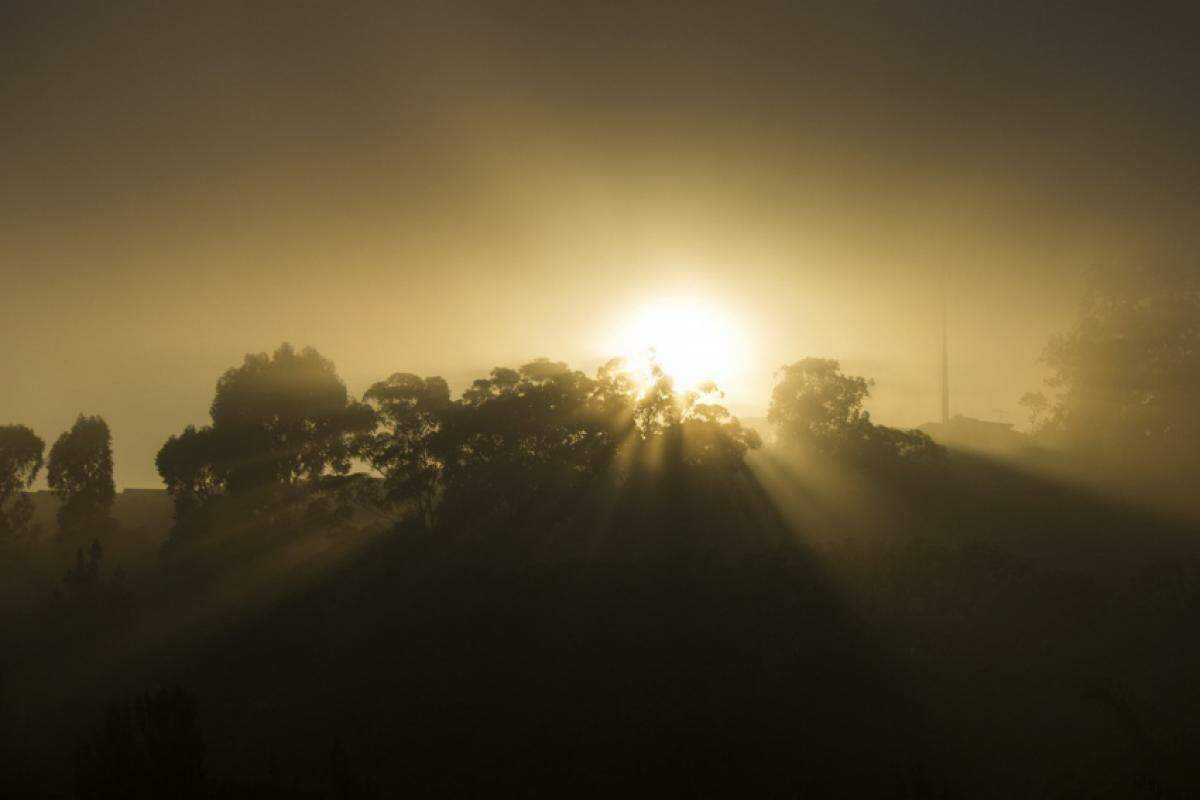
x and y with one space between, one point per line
409 411
817 407
21 453
80 472
279 421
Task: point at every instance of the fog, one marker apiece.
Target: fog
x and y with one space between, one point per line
567 399
450 187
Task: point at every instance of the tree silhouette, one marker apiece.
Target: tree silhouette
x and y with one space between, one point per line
409 412
526 440
277 421
20 461
712 436
1127 374
80 471
658 409
284 418
521 441
537 443
192 466
688 429
815 406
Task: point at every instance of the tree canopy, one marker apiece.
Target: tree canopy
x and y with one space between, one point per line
814 403
276 420
1127 374
528 439
21 452
409 412
283 418
192 465
815 406
80 471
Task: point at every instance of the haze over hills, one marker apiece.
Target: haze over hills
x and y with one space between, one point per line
444 398
443 190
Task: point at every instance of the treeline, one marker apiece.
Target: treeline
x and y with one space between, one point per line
535 443
537 449
1125 386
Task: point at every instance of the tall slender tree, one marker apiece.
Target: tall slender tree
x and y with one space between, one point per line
21 452
409 412
80 471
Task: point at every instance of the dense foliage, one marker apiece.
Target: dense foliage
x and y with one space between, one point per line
20 461
276 421
522 444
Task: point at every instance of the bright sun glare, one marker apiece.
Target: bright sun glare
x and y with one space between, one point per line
693 341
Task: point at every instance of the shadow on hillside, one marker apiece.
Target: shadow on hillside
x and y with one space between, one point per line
1039 628
670 654
834 630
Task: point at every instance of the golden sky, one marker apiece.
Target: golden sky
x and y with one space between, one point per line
440 188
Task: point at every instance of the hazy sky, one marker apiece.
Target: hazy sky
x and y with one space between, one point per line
443 187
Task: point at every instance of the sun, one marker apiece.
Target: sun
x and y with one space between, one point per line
694 341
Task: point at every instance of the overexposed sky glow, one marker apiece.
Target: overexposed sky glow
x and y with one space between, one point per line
693 339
